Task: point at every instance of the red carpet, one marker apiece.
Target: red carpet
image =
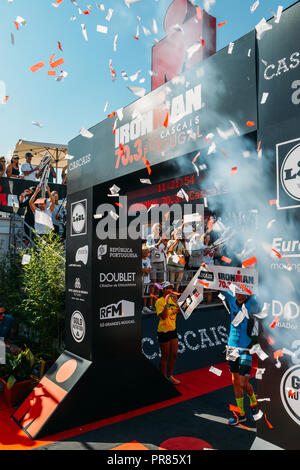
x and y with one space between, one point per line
193 384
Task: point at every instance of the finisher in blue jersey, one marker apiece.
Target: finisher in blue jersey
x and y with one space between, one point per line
242 336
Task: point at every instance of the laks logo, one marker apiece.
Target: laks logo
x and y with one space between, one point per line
79 218
122 309
288 174
290 392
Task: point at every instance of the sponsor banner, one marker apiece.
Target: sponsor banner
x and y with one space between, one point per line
171 121
106 253
202 339
278 70
222 278
117 292
12 188
191 297
79 274
278 81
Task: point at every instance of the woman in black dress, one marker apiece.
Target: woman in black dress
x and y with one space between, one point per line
13 171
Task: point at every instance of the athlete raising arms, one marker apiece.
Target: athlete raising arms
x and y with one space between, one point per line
243 334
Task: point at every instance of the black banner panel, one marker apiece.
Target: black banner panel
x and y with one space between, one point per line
12 188
202 339
79 274
172 120
279 134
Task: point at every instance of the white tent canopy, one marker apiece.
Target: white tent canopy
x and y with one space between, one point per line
57 151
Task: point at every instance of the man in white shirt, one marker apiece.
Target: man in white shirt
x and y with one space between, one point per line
29 171
42 213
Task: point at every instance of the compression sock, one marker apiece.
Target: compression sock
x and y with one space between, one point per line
253 400
240 404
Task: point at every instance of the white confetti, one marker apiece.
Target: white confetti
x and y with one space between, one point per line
230 47
264 312
154 26
85 133
258 415
278 14
115 42
83 29
140 92
129 2
259 373
26 259
261 28
109 14
256 349
134 77
264 98
145 181
102 29
38 124
61 76
193 49
215 371
114 215
254 6
146 31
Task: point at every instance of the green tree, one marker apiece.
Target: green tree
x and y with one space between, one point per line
43 288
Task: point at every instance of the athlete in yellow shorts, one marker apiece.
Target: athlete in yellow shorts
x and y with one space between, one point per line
167 309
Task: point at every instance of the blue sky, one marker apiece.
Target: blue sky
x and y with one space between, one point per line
65 107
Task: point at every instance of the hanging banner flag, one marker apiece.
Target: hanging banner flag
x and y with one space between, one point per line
191 296
221 278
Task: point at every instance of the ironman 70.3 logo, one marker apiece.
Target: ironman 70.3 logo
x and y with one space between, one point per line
288 174
79 218
290 392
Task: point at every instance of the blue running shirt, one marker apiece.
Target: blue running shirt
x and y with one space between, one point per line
239 336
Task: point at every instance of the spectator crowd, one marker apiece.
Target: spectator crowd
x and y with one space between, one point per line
27 171
40 214
177 259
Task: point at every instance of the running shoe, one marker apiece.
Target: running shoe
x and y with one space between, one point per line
173 380
237 419
146 310
254 411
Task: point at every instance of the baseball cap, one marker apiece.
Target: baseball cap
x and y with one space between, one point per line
41 200
28 154
166 284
